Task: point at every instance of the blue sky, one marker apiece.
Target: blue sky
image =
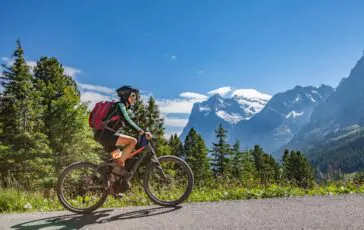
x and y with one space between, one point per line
168 48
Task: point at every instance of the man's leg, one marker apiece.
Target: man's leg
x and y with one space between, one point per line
128 144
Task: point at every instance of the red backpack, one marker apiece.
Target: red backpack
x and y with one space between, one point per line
97 119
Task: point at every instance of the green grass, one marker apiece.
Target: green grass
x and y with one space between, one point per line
349 176
12 200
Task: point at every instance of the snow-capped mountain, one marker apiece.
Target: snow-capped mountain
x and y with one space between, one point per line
228 110
256 118
281 118
251 101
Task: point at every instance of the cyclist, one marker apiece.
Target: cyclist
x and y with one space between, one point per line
111 137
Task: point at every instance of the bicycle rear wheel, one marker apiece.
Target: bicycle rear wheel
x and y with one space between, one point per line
168 183
82 188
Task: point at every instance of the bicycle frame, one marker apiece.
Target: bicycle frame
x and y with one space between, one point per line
146 149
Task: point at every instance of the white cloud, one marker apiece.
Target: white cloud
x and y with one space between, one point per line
95 93
97 88
72 72
32 64
175 105
93 97
180 105
175 122
223 91
173 57
191 95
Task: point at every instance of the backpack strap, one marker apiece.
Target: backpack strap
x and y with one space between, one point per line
110 117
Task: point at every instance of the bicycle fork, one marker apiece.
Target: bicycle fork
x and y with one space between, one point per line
159 167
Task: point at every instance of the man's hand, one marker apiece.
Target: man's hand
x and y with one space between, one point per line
148 135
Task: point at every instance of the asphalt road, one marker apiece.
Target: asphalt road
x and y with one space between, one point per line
314 212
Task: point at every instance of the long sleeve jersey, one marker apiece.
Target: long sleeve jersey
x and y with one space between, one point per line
119 108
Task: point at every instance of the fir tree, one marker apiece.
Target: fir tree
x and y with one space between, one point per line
176 146
65 117
21 119
266 167
236 161
195 152
248 174
297 170
220 153
155 124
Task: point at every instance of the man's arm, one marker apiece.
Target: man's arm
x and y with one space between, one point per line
127 117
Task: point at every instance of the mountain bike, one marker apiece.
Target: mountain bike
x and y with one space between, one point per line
82 187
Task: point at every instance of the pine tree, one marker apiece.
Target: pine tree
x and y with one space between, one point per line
195 152
267 168
155 124
65 117
248 174
285 155
220 153
297 170
236 161
21 120
176 146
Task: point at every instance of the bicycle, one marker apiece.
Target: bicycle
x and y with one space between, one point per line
84 186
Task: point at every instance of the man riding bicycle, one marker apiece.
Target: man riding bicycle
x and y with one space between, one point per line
111 138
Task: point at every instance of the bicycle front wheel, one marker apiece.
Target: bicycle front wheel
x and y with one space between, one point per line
82 188
169 182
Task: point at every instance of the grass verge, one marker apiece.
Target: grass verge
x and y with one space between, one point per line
16 201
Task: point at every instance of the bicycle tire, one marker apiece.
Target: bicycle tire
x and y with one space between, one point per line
61 197
185 195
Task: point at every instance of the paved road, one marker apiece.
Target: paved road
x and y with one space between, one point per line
320 212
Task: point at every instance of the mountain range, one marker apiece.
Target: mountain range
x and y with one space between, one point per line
238 106
315 120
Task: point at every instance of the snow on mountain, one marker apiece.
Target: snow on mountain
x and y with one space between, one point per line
251 94
282 117
223 91
231 118
251 102
226 106
294 114
251 106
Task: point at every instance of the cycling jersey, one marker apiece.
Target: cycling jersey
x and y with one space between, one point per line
120 109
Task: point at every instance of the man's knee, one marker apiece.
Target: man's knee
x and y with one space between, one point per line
133 141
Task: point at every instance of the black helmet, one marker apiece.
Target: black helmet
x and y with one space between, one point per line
125 91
